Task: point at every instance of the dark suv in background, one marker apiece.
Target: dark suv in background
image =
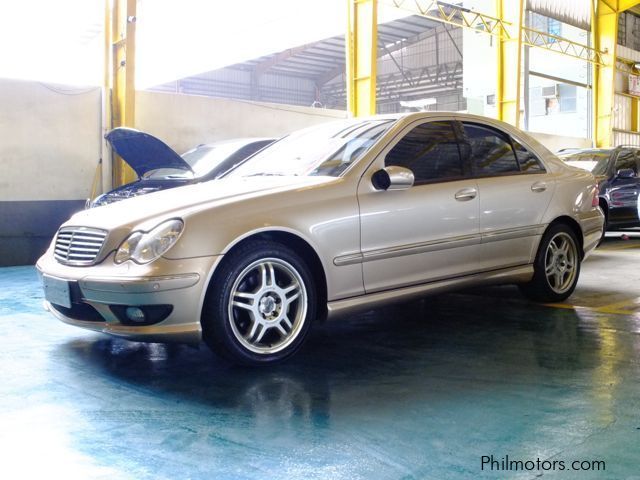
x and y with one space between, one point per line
617 172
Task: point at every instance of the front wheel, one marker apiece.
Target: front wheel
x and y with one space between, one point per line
260 305
556 267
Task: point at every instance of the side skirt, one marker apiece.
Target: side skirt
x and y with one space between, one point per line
339 308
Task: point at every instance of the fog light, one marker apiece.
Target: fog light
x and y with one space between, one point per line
135 314
141 315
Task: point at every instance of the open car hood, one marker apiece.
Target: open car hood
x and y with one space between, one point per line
144 152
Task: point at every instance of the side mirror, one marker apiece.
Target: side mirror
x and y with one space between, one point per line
393 178
626 173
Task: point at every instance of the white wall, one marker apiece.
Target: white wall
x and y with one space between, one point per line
574 123
49 140
184 121
50 135
622 111
556 142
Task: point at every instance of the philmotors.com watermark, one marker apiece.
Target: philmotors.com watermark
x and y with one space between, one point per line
507 464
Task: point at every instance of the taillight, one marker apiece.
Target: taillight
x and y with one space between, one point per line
595 201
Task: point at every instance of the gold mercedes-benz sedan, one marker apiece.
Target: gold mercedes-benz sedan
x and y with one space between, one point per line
331 219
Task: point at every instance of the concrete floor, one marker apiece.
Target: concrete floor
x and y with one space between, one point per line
418 391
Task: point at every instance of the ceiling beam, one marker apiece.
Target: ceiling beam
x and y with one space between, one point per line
273 60
627 4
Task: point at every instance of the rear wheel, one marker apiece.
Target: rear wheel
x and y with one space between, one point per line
260 305
556 267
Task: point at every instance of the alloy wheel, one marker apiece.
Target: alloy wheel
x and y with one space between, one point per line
267 306
561 261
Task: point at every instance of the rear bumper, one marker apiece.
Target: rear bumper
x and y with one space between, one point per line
591 223
180 284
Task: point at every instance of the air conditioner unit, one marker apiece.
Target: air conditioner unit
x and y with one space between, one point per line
550 92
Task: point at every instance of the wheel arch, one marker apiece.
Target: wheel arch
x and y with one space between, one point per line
295 242
575 227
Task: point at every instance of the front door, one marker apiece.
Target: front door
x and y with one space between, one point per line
426 232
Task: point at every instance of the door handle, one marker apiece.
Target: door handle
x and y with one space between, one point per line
538 187
466 194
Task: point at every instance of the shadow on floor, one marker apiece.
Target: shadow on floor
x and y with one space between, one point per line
470 341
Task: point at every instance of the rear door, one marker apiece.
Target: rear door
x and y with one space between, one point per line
514 191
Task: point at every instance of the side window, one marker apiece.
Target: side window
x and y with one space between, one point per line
529 163
489 150
626 159
430 151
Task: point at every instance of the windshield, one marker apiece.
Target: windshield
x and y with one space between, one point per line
328 149
205 158
595 161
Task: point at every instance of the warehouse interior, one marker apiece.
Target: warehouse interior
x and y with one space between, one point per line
450 386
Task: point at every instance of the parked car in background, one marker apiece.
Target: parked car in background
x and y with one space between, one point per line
616 170
339 217
159 167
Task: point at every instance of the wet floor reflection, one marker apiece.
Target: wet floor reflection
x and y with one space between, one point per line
419 390
409 382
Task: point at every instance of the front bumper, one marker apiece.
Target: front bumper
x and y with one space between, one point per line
95 290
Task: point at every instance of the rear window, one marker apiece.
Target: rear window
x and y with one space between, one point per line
595 161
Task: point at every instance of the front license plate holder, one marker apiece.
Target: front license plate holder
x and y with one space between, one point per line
57 291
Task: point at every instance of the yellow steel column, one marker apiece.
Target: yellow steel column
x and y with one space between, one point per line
361 51
123 23
604 30
509 61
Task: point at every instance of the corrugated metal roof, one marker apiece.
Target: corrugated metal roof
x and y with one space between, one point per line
327 56
572 12
426 62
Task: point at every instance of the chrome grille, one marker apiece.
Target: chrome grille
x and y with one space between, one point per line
78 245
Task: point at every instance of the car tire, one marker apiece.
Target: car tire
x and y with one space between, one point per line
260 305
556 266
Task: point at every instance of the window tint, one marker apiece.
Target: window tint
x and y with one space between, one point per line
627 159
489 150
529 163
430 151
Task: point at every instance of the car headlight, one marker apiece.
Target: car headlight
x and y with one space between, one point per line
145 247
